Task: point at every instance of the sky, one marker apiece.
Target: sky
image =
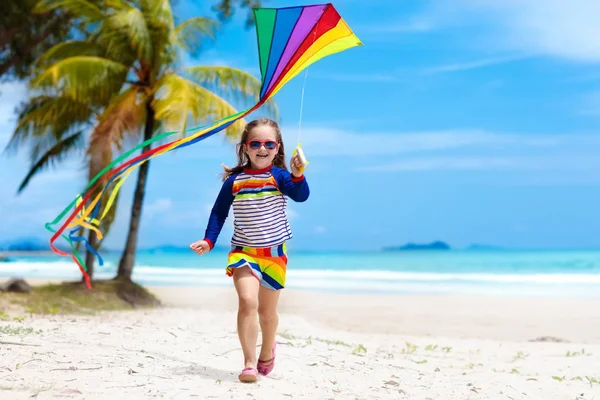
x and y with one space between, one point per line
463 121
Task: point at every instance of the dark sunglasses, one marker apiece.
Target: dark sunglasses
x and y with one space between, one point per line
256 144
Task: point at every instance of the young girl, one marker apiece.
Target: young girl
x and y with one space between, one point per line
257 188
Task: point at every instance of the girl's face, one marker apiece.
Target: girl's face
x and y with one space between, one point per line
261 146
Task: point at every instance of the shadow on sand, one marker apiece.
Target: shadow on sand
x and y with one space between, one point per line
207 372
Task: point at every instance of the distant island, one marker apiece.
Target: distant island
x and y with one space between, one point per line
26 244
39 246
437 245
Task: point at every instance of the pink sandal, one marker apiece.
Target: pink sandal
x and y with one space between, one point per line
248 375
266 369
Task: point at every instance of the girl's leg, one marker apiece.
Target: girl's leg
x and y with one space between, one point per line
269 320
247 286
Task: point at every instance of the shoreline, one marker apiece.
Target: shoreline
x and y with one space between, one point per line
361 281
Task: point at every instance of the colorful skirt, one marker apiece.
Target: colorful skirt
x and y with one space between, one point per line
267 264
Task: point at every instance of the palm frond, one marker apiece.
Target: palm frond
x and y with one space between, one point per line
131 22
115 44
189 34
161 24
83 78
230 81
118 4
48 117
57 153
159 14
71 48
178 99
125 115
81 8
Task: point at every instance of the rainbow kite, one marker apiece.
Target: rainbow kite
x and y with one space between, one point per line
289 40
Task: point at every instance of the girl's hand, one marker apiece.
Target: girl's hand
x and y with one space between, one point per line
297 166
200 247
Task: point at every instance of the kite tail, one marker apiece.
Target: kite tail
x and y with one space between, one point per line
87 217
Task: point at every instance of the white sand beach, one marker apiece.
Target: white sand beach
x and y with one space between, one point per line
330 347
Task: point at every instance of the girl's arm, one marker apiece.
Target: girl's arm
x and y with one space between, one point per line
296 188
219 212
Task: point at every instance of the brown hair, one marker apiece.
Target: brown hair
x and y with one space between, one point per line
243 160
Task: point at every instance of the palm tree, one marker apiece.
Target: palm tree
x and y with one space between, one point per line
130 66
54 126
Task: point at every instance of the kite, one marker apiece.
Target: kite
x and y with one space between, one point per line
289 40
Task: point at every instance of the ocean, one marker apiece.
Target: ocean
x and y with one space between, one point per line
569 273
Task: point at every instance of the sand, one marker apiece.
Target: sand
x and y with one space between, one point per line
330 347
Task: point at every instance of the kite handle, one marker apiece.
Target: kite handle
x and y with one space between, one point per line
298 150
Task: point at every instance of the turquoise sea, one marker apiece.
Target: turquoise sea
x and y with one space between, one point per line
570 273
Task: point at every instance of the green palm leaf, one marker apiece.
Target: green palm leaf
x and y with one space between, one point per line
161 25
57 153
189 34
118 4
178 99
115 44
159 14
81 8
232 82
47 116
68 49
83 78
132 24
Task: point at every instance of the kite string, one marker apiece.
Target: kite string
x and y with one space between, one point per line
301 105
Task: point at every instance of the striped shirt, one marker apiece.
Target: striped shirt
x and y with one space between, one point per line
259 199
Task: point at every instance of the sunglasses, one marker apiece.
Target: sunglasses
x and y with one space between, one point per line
256 144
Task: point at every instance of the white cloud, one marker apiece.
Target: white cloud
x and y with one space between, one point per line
462 150
556 163
414 25
368 78
335 142
566 29
158 207
291 213
445 163
462 66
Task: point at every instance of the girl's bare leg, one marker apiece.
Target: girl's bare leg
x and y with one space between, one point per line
269 320
247 286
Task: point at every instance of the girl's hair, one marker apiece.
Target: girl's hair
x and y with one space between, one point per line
243 160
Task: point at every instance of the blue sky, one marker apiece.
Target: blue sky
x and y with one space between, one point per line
468 122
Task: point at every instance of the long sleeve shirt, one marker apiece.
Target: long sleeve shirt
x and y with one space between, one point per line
259 199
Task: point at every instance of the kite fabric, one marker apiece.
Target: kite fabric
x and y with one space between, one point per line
289 40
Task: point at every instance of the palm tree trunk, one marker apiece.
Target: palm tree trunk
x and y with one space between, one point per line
89 256
128 258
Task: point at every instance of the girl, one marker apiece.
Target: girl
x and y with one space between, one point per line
257 188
